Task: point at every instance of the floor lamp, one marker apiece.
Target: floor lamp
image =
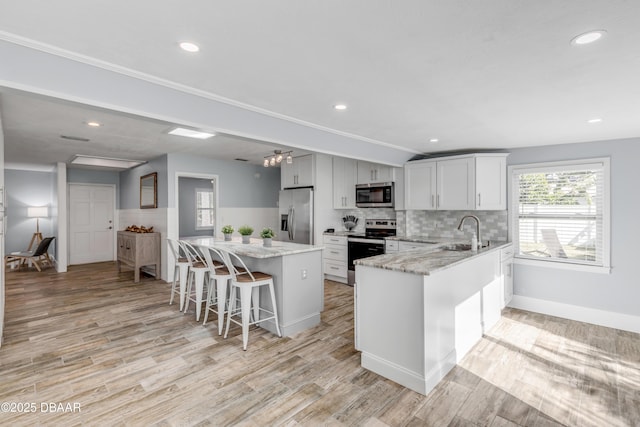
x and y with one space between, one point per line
37 212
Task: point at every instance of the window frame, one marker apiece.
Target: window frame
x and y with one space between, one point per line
197 209
605 164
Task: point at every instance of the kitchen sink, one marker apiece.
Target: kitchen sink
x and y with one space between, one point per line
460 247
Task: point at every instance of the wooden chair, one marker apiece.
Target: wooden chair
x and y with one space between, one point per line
39 255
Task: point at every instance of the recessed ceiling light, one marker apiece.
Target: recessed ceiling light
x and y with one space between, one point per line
189 47
340 107
191 133
105 162
588 37
434 140
595 120
94 124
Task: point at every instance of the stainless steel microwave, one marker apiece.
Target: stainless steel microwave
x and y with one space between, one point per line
378 195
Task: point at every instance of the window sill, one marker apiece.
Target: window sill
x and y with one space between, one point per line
562 265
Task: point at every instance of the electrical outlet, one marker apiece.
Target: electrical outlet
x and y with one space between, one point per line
303 273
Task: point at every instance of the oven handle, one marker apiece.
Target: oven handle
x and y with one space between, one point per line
360 240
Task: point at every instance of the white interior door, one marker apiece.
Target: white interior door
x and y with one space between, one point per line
91 227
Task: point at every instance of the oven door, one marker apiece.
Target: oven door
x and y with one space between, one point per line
361 248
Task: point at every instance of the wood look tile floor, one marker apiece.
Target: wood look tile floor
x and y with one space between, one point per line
93 337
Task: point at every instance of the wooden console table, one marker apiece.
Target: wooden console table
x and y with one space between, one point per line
137 250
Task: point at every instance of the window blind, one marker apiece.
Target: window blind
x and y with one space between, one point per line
560 212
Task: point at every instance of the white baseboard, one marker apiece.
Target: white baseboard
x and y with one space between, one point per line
610 319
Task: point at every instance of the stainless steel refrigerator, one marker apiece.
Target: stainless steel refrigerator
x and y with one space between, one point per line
296 216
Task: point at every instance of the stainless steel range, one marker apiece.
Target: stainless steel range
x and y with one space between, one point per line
369 243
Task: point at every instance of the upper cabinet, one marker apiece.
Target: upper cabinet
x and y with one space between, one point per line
344 183
300 173
467 182
372 172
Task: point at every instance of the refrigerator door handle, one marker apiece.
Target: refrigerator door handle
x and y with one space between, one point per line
293 223
289 216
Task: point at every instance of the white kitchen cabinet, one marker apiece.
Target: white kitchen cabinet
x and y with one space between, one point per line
506 262
491 183
466 182
420 185
372 172
390 246
335 258
344 183
454 183
300 173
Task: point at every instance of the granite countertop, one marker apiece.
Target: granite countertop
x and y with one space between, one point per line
426 261
341 233
255 249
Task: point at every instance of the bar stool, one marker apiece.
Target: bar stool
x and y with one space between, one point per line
181 270
216 295
248 283
197 270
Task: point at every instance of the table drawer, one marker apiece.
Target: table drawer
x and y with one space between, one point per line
335 268
506 253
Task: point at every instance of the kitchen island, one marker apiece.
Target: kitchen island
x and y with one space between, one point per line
419 312
297 276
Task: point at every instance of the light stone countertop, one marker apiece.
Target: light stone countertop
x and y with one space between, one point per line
255 249
425 261
341 233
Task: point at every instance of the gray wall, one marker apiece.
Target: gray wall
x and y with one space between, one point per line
24 189
187 188
83 176
130 183
240 185
618 291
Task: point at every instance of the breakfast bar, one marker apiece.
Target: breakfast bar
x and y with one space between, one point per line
297 275
419 312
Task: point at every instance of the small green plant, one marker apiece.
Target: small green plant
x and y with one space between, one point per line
267 233
227 229
245 230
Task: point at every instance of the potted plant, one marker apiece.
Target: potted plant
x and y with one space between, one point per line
246 232
227 230
267 235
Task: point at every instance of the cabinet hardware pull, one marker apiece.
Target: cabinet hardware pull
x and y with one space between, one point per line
433 201
478 199
438 201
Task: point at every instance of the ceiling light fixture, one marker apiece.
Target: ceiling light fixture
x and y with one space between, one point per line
189 47
277 157
340 107
105 162
94 124
434 140
588 37
189 133
594 120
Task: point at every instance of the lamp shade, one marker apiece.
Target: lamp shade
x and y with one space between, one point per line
38 212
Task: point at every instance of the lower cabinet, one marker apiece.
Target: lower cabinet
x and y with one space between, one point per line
137 250
506 263
335 258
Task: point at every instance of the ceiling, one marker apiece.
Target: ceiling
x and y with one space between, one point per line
475 75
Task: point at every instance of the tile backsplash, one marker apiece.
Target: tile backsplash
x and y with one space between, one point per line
493 224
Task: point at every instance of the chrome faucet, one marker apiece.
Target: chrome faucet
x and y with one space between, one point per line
477 227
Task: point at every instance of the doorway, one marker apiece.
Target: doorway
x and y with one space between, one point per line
197 204
91 223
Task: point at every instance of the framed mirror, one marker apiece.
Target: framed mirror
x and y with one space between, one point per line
149 191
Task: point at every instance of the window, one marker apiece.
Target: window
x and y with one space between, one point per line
205 209
560 212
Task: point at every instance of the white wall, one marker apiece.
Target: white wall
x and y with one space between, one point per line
613 299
